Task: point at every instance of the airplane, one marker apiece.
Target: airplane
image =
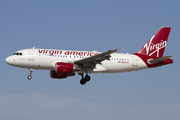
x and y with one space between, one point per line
65 63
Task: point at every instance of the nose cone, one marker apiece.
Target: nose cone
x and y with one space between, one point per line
9 60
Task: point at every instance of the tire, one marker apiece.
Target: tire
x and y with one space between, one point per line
87 78
29 77
83 81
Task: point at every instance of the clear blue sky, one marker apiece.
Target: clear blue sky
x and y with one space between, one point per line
152 94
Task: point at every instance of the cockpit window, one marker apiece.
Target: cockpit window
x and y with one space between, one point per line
17 53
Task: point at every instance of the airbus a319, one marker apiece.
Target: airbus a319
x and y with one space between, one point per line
65 63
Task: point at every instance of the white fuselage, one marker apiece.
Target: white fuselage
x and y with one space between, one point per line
47 58
65 63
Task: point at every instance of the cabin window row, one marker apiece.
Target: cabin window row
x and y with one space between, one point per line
60 56
119 59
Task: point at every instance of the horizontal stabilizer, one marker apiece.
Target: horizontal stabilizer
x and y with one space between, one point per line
154 61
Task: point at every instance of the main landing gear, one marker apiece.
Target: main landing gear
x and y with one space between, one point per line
84 79
29 76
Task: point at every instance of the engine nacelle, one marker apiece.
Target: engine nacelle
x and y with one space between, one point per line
53 74
64 68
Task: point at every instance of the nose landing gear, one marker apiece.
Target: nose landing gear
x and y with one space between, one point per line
29 76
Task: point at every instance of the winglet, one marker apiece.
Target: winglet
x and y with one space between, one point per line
118 50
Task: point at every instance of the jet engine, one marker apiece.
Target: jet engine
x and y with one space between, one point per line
62 68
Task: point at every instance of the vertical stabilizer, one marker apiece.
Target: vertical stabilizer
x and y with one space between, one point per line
155 47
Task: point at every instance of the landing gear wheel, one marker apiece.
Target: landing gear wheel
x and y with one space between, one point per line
29 77
87 78
83 81
30 71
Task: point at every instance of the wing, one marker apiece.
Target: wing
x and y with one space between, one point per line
90 62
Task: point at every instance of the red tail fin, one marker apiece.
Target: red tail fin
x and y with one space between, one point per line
155 47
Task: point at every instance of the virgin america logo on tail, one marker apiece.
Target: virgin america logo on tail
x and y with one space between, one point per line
152 48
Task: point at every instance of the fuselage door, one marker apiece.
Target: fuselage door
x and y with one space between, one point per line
134 61
31 55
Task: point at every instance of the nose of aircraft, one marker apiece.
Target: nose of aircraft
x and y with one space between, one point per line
8 60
